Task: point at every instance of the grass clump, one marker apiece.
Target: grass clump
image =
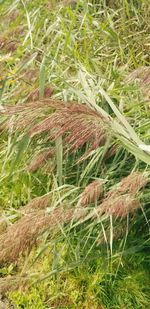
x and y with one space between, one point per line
74 147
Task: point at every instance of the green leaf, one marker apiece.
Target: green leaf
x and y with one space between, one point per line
22 146
42 79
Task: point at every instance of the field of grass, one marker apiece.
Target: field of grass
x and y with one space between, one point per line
75 154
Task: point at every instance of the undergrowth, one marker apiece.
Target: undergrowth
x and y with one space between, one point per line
84 66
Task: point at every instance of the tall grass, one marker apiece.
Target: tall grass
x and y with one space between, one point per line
74 178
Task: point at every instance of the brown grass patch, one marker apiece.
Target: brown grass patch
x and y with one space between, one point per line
119 206
36 204
22 234
91 193
78 123
122 200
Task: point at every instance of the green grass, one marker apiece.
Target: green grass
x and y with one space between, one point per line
84 51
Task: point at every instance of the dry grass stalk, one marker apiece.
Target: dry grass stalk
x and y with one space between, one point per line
91 193
40 159
23 233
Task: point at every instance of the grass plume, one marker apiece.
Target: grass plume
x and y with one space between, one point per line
23 234
123 199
